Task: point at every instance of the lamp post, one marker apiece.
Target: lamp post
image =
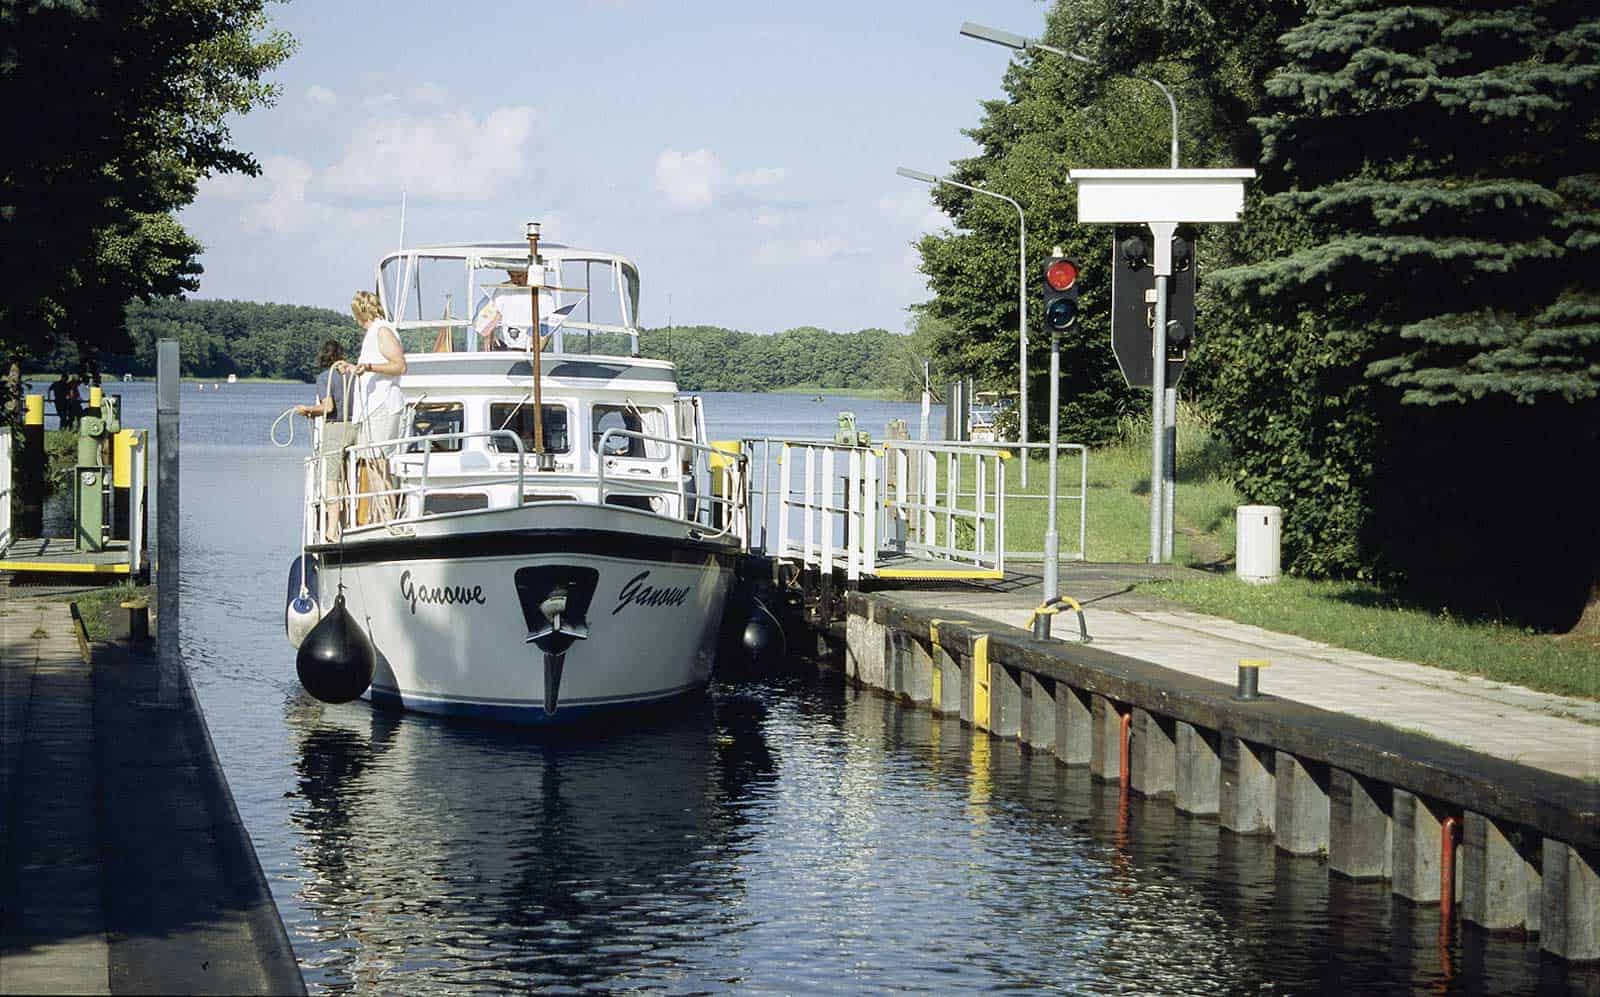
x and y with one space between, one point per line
1164 399
1022 297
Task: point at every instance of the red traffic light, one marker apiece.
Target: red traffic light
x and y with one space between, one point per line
1061 274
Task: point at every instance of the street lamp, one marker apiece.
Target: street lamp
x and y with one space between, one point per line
1022 43
1022 296
1164 401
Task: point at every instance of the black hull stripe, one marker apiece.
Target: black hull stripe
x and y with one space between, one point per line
512 543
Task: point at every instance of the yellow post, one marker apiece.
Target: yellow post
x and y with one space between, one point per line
721 476
28 469
980 683
95 395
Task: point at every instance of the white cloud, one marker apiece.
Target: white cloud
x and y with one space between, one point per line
285 208
912 209
319 94
689 179
429 93
787 252
764 176
454 156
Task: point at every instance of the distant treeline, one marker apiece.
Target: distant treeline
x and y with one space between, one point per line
250 339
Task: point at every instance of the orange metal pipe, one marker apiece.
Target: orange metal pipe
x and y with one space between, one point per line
1127 768
1447 871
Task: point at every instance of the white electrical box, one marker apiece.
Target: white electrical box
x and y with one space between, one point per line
1259 536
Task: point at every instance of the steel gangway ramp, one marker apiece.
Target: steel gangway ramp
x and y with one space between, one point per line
908 510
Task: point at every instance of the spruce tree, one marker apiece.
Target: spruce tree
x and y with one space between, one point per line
1425 300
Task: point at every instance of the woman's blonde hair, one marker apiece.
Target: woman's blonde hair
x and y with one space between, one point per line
364 306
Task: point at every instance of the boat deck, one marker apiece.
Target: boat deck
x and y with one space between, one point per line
60 555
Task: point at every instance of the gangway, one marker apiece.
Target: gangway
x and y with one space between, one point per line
905 510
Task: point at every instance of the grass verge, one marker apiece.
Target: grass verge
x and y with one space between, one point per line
1361 617
102 612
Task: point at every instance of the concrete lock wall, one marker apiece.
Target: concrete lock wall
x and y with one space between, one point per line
1372 802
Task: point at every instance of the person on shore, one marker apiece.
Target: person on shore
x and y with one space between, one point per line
58 398
378 409
332 407
74 403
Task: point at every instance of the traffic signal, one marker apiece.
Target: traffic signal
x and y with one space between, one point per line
1133 298
1060 293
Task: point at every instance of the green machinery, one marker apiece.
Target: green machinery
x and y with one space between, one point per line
94 501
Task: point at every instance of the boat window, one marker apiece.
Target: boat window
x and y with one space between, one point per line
440 502
598 313
644 503
532 497
650 421
518 416
432 418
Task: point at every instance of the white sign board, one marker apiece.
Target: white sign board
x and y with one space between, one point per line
1128 196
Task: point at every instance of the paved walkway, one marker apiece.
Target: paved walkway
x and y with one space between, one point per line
123 865
1558 733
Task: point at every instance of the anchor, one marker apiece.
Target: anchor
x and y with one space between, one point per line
554 640
555 601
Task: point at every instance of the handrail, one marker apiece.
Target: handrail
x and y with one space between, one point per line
732 502
427 439
5 489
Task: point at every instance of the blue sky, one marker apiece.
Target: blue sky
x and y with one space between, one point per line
743 154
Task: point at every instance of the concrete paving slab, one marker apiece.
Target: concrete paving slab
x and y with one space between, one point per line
1557 733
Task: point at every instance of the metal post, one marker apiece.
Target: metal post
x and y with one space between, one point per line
1163 232
1169 476
1022 336
1052 539
167 649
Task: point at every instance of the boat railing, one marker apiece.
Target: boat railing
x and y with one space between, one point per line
5 489
385 505
721 508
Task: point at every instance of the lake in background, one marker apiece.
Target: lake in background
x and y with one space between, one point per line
784 835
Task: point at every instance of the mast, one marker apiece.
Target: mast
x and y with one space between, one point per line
536 343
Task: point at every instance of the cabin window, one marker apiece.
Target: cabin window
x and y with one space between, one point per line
650 421
532 498
518 417
644 503
433 419
441 502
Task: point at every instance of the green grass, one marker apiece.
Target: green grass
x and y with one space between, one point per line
1118 517
101 606
1361 617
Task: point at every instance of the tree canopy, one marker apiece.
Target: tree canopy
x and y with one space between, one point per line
1422 282
115 111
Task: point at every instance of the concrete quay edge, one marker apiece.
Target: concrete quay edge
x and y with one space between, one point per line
1557 806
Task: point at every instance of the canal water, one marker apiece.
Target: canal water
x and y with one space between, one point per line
785 835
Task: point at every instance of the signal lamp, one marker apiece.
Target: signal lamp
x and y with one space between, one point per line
1060 292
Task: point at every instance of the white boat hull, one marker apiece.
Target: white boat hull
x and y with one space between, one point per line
452 616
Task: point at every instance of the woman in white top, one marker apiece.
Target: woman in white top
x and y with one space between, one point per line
378 406
378 409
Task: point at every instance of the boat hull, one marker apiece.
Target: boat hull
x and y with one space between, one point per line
455 621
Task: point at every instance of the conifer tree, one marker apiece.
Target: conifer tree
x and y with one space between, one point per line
1426 299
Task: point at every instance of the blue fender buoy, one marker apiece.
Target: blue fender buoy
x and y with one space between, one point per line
336 660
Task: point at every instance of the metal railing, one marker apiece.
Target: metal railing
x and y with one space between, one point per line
929 483
136 499
6 493
721 507
824 497
1038 493
725 486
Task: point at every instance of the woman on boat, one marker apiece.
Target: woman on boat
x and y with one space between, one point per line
379 408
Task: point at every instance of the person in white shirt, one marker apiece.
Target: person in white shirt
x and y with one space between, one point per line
378 408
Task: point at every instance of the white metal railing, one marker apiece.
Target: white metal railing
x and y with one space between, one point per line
948 501
836 503
725 491
136 486
1039 493
6 492
720 507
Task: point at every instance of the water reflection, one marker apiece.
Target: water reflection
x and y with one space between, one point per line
478 855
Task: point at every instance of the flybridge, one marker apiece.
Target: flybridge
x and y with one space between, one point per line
479 297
